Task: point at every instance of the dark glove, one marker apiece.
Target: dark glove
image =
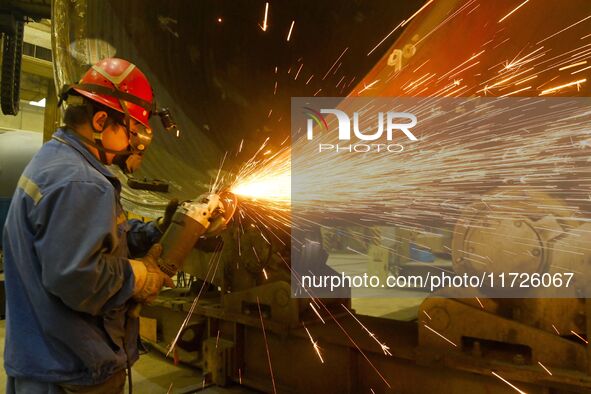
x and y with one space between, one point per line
149 279
164 222
209 245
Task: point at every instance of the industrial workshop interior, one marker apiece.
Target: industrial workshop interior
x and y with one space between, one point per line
251 196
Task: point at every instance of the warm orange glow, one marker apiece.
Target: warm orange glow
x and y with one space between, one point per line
276 188
266 176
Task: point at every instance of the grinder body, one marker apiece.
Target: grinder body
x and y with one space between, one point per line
179 239
204 216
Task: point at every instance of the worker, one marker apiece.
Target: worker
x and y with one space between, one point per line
72 270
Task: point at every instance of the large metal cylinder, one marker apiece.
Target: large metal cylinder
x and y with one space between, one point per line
223 77
16 150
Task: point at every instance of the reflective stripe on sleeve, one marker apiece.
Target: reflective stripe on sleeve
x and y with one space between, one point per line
30 188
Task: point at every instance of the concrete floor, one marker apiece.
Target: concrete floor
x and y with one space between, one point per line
152 374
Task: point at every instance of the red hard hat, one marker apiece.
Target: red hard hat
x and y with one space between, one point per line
115 82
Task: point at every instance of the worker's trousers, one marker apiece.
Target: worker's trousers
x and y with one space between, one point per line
114 385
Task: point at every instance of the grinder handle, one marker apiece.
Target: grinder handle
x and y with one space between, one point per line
178 240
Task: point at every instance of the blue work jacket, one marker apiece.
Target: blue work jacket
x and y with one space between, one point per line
68 280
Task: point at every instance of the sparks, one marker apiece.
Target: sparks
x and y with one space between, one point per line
565 29
317 314
417 12
213 266
580 337
298 72
314 345
545 369
401 24
566 85
434 177
355 251
515 91
268 179
383 346
367 87
461 64
266 345
335 62
440 335
582 69
480 302
290 30
385 38
264 26
515 9
508 383
572 65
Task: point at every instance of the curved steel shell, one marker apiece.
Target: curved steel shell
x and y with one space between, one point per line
225 78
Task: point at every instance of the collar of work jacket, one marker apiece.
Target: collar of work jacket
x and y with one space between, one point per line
70 138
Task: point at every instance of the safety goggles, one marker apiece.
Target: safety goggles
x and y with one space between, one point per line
139 136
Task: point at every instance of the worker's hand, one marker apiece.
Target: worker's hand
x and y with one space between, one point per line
209 244
149 279
164 222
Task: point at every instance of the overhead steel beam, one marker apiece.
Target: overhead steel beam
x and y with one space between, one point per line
39 67
35 9
38 34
